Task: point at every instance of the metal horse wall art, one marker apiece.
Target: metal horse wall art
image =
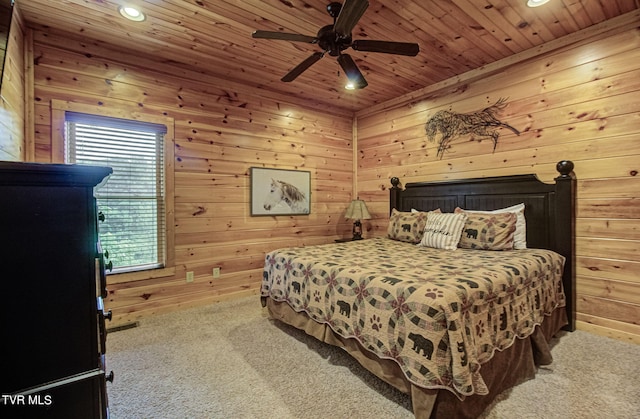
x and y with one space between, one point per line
479 124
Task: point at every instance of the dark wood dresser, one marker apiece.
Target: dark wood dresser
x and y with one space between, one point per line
52 330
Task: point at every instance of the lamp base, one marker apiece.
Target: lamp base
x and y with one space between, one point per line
357 230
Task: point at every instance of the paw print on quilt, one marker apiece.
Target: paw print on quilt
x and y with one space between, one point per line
434 293
376 323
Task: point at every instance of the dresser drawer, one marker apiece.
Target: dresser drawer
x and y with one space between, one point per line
100 269
102 329
80 396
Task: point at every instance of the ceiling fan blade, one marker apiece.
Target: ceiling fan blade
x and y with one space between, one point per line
352 71
350 14
284 36
291 75
386 47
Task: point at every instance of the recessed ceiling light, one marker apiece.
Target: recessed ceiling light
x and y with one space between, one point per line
132 13
536 3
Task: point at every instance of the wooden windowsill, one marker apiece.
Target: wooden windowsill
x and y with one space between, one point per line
140 275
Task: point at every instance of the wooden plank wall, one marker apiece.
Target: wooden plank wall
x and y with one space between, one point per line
12 109
581 103
220 132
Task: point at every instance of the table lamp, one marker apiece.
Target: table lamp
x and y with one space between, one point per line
357 211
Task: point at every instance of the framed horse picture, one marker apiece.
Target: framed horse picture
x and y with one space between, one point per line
280 191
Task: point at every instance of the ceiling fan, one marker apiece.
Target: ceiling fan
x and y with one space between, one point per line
334 39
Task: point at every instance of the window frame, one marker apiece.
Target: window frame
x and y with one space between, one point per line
58 109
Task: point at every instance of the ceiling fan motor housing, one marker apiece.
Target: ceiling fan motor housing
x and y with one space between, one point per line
332 42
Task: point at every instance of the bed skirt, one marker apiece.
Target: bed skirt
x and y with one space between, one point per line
506 369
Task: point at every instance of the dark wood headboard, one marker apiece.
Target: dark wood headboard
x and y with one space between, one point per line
549 209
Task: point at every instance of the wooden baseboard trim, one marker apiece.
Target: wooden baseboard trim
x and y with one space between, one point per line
608 332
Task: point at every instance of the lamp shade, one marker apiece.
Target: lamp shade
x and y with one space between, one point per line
357 211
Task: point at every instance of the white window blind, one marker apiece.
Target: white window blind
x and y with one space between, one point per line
132 200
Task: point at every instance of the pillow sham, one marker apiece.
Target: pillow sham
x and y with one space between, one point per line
520 235
443 230
488 231
406 226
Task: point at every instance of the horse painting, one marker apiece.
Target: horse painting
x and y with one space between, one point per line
479 124
288 194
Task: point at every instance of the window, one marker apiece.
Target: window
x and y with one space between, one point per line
133 199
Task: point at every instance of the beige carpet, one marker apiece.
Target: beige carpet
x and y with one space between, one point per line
229 360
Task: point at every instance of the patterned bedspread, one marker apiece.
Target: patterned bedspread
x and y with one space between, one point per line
439 314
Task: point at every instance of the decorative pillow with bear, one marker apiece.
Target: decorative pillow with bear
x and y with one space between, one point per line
443 230
520 237
406 226
486 231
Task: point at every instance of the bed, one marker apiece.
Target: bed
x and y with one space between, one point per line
445 320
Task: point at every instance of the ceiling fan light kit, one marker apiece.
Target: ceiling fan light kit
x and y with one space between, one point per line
334 39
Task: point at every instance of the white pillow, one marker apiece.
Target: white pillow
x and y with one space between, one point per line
415 211
443 231
520 236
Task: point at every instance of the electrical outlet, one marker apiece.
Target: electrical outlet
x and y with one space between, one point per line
216 272
190 276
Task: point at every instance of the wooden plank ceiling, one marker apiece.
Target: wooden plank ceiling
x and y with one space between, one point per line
213 37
